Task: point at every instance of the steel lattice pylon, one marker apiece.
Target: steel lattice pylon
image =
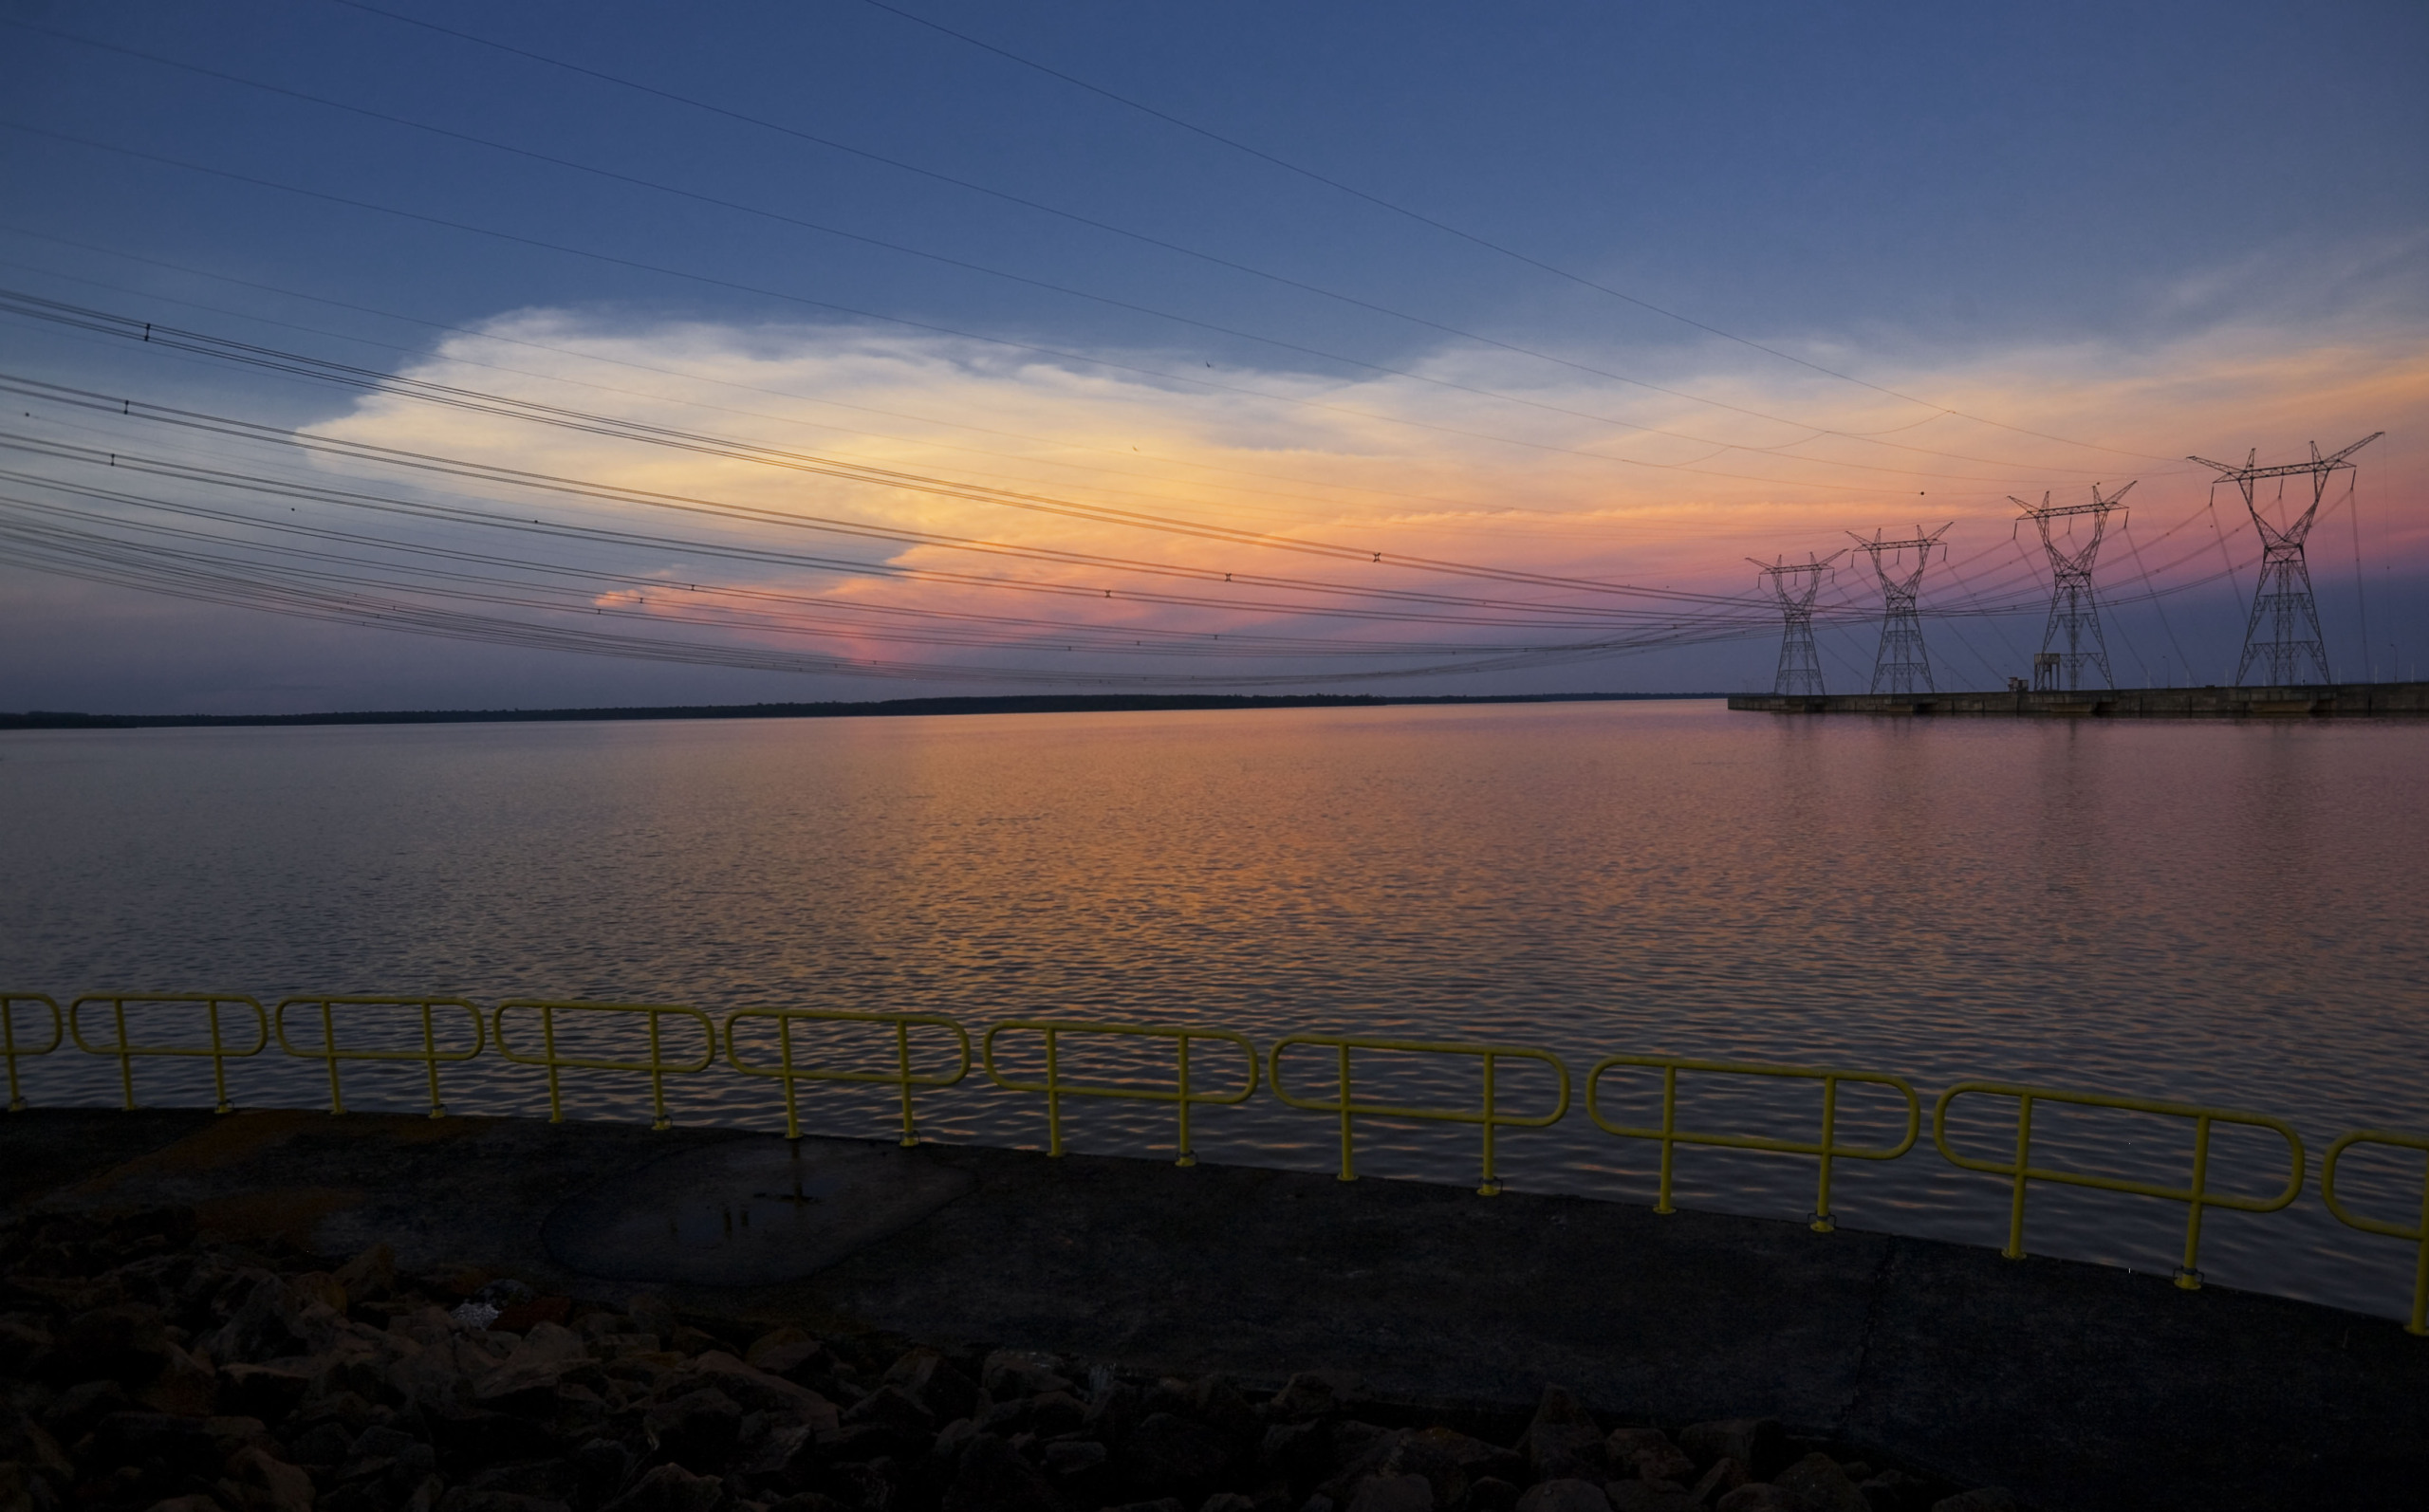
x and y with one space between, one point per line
2283 632
1901 666
2073 613
1794 585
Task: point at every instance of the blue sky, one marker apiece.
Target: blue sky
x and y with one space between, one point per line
2140 233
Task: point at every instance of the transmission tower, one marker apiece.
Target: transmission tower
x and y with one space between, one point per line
1794 585
2282 601
2072 613
1901 667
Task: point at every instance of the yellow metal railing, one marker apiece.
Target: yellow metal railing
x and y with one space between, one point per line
1056 1089
127 1052
430 1055
656 1067
791 1065
1828 1148
9 1046
788 1070
2418 1235
1348 1109
2196 1195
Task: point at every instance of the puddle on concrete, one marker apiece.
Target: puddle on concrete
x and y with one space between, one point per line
750 1214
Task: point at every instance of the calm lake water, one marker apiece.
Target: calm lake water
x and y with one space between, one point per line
2219 912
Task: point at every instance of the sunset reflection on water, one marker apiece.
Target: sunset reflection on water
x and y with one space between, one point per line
2228 913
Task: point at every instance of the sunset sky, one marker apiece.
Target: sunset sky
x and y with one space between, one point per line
855 350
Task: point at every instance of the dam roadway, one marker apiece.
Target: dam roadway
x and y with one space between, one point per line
2326 700
2077 1386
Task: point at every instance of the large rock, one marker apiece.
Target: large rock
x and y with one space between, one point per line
1649 1453
1565 1495
127 1342
265 1391
697 1430
549 1480
468 1438
1215 1402
468 1498
651 1314
891 1407
260 1481
371 1276
1297 1452
25 1349
1450 1461
928 1378
759 1391
1562 1441
72 1414
1022 1373
1722 1476
1819 1480
267 1325
672 1488
1644 1496
600 1470
992 1478
172 1446
782 1351
1167 1453
1317 1394
382 1469
22 1490
1395 1493
24 1442
1894 1491
1756 1443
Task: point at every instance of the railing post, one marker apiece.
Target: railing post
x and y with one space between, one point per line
1184 1155
548 1045
1054 1098
902 1063
1823 1223
2188 1276
1669 1135
1348 1165
329 1049
218 1066
125 1055
657 1077
1490 1185
2419 1323
2022 1163
785 1059
430 1059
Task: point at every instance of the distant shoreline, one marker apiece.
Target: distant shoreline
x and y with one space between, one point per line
1021 704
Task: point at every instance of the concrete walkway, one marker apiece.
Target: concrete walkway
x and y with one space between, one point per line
2077 1386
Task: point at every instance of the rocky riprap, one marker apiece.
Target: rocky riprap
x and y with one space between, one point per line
147 1370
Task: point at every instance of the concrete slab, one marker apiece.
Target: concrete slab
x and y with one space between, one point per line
2078 1385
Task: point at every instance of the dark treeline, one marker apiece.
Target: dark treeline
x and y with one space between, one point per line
1022 703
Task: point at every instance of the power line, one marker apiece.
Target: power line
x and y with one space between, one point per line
720 447
1057 353
490 335
1445 227
1777 450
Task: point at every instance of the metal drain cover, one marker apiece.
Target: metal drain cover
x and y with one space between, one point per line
752 1213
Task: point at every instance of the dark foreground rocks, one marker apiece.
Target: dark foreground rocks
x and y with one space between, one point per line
148 1369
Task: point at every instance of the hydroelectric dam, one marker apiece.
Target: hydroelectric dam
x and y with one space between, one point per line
2297 702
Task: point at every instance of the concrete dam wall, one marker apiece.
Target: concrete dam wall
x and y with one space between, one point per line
2318 701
